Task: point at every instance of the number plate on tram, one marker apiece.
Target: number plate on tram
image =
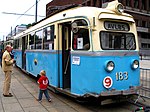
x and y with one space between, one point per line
121 76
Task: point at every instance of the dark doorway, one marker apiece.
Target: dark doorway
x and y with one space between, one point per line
24 47
66 44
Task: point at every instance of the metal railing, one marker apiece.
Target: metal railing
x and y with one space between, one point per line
145 82
142 57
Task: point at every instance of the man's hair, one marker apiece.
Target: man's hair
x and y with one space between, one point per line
8 46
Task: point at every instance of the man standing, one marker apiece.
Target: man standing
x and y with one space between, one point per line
7 66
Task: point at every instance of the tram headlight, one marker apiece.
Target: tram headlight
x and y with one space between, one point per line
110 66
135 64
119 8
115 6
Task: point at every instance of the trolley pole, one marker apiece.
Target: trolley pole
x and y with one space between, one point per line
36 11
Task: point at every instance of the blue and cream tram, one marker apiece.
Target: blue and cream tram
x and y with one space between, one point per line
85 51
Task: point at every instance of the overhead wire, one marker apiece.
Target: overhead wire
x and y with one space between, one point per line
24 14
21 14
26 11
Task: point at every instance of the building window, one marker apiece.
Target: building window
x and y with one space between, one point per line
49 37
144 45
143 5
136 21
148 24
128 3
143 23
89 3
103 1
148 45
121 1
149 5
145 35
136 3
94 2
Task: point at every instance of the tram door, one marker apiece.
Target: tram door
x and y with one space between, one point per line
66 44
24 46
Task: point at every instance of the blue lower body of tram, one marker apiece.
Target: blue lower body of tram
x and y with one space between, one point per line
87 78
37 61
18 58
87 73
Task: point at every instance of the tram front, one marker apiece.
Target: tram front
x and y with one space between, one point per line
110 65
118 52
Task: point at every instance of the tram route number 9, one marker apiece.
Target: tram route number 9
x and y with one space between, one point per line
107 82
121 76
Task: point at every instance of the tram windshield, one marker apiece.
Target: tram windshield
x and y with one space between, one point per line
117 41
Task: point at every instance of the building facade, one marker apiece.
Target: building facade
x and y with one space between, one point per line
139 9
54 5
18 29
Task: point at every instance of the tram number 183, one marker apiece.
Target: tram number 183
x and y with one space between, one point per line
121 76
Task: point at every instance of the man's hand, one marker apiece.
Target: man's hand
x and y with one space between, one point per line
14 61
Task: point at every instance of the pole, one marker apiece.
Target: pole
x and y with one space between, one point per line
3 42
11 31
36 11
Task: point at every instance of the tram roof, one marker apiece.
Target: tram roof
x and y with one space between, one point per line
88 12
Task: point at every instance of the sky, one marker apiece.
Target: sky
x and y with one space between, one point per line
20 7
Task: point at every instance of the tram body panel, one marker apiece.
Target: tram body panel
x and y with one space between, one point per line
88 76
18 58
37 61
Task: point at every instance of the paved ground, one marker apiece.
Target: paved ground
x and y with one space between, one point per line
24 99
25 92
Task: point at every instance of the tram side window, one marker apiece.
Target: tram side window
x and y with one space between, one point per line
15 46
117 41
17 43
20 43
81 36
49 37
26 42
31 41
38 39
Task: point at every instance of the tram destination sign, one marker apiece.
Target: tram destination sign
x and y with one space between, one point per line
117 26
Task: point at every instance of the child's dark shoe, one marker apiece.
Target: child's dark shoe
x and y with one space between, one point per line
50 100
39 100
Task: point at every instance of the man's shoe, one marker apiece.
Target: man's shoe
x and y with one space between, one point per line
10 95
